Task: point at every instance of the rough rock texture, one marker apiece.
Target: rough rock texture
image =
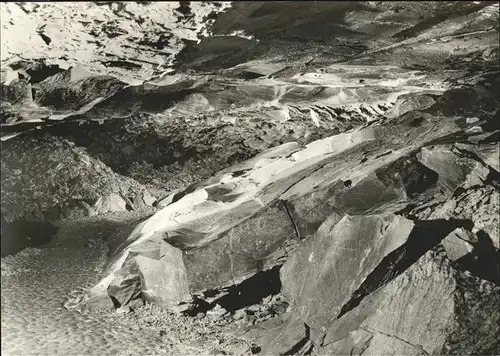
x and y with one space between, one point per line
460 313
298 178
336 261
206 215
47 178
479 204
453 170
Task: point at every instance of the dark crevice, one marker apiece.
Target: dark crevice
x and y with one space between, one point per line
122 64
250 292
185 8
116 303
255 349
493 178
290 216
246 75
45 38
425 235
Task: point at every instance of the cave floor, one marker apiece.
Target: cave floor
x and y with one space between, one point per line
36 282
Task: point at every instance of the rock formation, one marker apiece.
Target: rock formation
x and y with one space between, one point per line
325 176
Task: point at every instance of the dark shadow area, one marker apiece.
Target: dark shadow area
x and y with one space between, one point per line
250 292
415 177
483 261
425 235
20 234
247 75
492 124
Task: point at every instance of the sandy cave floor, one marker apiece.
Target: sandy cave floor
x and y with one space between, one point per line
36 282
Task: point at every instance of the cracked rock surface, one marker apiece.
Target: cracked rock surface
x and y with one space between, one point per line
273 178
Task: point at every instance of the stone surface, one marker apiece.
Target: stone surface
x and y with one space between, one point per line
279 336
490 154
335 262
454 169
460 313
457 246
479 204
105 37
168 275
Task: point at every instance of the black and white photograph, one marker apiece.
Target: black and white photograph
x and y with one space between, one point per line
306 178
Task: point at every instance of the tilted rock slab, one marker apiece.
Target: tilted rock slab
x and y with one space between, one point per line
431 309
320 278
455 170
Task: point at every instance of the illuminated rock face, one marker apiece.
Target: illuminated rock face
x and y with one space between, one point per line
341 156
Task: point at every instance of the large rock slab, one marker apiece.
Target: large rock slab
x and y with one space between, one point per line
458 244
489 154
429 309
282 335
167 275
454 169
320 278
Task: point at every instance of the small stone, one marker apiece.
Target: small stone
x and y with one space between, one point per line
471 120
239 314
254 308
136 303
267 299
455 246
216 312
123 310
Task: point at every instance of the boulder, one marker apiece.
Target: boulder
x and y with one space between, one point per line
249 217
110 203
168 275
